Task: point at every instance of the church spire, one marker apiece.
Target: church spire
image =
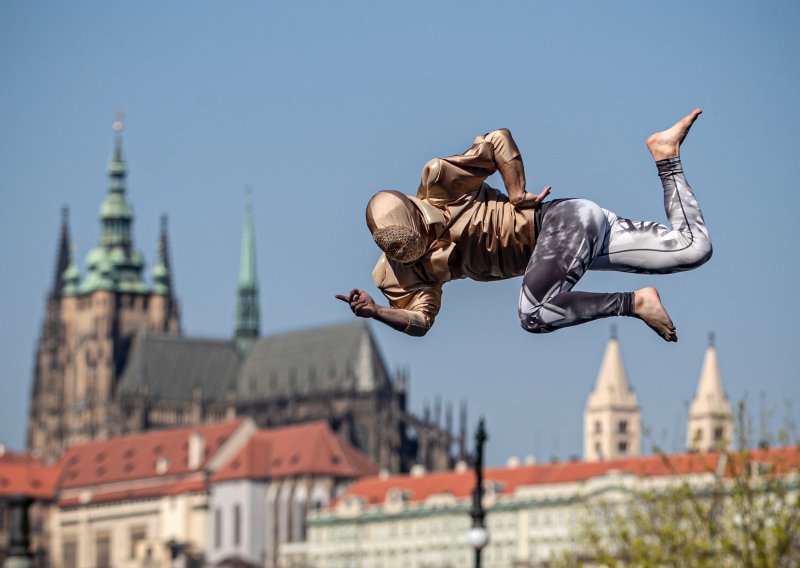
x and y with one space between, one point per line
710 418
248 317
612 419
115 264
62 255
162 273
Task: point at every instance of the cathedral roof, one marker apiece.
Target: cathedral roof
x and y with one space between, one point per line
337 358
171 367
324 359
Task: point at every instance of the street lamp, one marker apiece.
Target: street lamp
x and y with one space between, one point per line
478 536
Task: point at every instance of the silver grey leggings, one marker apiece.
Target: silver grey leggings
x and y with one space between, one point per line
577 235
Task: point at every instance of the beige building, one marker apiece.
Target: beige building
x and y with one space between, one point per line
208 495
710 424
612 420
532 511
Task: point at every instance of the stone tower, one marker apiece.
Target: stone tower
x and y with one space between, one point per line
710 424
90 325
248 313
612 419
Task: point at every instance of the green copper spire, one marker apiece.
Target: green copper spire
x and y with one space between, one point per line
115 264
71 275
248 316
162 279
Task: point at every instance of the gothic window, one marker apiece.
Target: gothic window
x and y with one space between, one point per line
598 428
623 426
622 447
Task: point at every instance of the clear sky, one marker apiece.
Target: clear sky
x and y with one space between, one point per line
316 105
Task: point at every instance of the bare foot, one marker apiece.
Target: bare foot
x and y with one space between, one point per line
667 143
647 307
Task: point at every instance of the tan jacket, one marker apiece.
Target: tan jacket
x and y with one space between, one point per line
482 236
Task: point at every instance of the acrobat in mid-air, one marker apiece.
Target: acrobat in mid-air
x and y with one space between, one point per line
459 227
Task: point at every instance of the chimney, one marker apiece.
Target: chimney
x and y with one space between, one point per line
197 450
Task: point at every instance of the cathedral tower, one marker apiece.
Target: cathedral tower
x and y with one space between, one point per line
710 424
612 419
90 325
248 313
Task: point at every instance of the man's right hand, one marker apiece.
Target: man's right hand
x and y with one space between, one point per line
360 303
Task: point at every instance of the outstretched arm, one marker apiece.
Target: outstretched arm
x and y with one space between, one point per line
364 306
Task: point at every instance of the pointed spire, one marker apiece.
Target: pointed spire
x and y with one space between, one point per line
612 385
62 255
161 274
248 313
710 416
71 275
710 396
115 264
612 418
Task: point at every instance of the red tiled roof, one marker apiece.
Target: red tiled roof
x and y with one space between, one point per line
460 485
296 450
9 456
128 458
166 489
28 477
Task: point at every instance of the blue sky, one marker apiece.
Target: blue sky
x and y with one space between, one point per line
316 105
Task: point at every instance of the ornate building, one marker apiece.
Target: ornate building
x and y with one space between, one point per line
91 325
111 359
612 418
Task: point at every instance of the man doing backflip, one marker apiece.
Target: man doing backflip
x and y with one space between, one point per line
459 227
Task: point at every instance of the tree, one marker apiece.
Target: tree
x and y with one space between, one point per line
738 507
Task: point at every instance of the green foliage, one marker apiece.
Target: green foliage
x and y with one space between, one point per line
743 512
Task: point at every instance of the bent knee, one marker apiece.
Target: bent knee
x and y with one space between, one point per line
533 324
697 254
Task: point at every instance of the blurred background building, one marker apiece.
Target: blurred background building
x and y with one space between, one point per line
111 359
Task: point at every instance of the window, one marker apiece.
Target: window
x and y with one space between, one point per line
598 428
623 426
237 525
218 528
102 550
622 447
69 553
718 433
138 534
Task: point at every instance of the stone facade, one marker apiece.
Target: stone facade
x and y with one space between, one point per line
111 359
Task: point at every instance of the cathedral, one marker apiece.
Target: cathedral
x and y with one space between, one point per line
112 360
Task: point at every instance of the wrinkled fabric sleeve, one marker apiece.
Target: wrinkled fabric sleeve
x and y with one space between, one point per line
421 307
418 301
445 180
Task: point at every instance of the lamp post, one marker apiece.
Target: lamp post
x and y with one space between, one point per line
478 535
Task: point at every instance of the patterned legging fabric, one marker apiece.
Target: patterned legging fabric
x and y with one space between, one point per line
577 235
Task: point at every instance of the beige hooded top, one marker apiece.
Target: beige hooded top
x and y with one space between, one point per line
481 234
